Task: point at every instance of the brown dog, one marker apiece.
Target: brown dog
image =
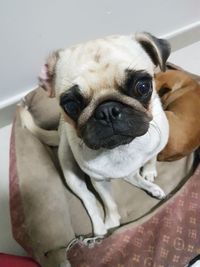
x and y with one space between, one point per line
180 95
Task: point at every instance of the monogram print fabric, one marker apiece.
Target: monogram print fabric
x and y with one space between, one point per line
169 239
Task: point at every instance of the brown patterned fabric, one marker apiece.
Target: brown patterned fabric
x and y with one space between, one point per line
170 238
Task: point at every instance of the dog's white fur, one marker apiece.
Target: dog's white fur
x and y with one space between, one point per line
125 161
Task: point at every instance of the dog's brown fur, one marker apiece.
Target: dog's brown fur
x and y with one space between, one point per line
181 101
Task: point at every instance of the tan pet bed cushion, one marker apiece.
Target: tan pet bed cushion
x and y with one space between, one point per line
47 216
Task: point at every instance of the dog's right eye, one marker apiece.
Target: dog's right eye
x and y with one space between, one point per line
72 108
72 102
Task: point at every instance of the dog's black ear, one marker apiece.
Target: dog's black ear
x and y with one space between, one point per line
158 49
47 74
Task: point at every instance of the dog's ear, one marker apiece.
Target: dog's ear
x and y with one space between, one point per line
47 74
158 49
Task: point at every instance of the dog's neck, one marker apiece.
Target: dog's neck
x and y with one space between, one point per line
124 160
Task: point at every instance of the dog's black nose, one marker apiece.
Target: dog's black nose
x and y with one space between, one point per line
108 112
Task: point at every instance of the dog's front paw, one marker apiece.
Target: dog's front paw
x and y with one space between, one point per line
149 174
157 192
99 228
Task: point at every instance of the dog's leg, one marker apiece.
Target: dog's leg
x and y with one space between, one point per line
148 186
112 218
74 179
149 171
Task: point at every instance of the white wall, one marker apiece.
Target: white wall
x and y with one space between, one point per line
30 29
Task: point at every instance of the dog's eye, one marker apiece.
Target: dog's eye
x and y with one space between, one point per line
143 87
72 108
72 102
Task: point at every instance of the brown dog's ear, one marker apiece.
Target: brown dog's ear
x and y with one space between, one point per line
158 49
47 74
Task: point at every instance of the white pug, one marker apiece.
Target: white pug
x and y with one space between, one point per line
112 122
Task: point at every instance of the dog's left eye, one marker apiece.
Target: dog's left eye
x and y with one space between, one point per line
143 87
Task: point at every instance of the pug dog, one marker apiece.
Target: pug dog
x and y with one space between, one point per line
112 121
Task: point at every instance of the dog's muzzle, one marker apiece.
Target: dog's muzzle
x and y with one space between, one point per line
113 124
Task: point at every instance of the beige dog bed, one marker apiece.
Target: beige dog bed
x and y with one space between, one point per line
47 216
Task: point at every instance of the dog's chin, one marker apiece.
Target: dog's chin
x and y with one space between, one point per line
110 142
116 140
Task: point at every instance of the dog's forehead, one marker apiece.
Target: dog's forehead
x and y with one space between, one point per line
100 63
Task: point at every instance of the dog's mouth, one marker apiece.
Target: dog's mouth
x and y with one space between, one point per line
110 142
111 137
